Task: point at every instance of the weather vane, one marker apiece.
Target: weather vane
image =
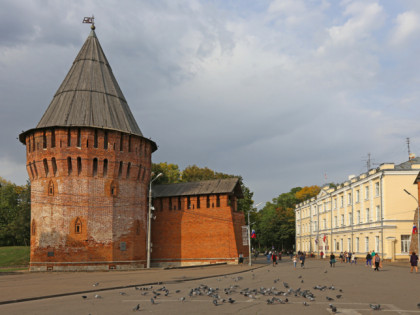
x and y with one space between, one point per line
90 20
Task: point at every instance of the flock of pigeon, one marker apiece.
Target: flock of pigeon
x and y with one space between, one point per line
217 296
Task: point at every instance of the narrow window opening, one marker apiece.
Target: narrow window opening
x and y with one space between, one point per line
208 202
54 166
53 138
36 171
79 165
113 189
179 203
198 202
79 137
69 166
188 202
120 170
95 139
29 145
68 137
95 167
160 204
105 168
78 226
44 140
170 203
129 143
217 201
121 142
46 167
128 170
32 171
106 140
51 188
33 143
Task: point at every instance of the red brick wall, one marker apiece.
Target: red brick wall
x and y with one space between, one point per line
205 235
80 220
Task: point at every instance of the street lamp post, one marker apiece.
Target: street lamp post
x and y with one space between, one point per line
149 221
418 220
249 237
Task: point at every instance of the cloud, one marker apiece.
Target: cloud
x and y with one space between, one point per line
407 24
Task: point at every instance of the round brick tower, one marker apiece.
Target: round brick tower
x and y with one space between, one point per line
89 167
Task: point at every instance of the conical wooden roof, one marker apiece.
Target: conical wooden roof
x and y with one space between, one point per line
90 95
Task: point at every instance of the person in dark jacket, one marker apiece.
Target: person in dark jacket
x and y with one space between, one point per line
413 261
368 259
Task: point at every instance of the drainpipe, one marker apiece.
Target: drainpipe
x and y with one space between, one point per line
382 213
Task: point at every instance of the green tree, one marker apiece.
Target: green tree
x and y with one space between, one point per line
171 173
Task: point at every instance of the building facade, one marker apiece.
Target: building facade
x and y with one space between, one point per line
368 212
197 223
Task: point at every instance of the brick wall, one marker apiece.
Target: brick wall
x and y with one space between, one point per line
191 235
89 198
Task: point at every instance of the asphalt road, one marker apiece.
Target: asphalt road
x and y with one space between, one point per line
394 288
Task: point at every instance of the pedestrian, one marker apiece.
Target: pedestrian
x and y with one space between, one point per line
274 258
268 257
294 261
341 256
349 255
332 260
302 260
280 253
322 254
378 263
353 259
368 259
241 258
414 260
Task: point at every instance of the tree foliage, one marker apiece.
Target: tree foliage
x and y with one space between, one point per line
307 193
171 173
15 213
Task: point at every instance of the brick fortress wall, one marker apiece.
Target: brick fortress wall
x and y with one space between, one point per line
187 233
88 198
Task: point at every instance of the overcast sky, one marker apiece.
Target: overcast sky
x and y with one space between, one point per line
284 93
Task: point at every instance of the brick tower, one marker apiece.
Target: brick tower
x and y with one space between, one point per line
89 167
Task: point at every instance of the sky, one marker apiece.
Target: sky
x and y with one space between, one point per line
284 93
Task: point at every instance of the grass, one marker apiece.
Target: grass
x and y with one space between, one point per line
14 257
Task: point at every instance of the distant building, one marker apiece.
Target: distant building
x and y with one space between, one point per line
197 223
90 168
368 212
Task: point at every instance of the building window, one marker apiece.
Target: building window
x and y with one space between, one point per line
54 166
342 219
357 244
335 221
366 244
51 188
405 243
349 198
378 213
358 217
113 189
120 170
46 167
106 140
179 203
348 244
188 202
198 202
358 195
315 228
377 189
367 215
78 226
53 138
121 142
95 167
128 170
95 139
217 201
79 138
366 192
68 137
208 202
342 201
129 143
351 218
341 244
105 173
324 223
377 244
36 171
79 165
170 203
44 140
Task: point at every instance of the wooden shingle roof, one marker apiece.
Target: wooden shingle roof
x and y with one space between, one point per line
229 186
90 95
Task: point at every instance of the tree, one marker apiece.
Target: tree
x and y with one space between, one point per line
171 173
307 193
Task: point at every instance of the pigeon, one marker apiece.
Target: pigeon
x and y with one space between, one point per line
136 308
299 277
97 296
301 281
215 302
231 301
286 285
152 300
334 309
375 307
338 296
325 271
329 299
96 284
340 290
182 299
84 296
306 304
177 291
418 305
123 293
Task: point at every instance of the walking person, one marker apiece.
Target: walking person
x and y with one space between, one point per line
302 260
353 259
368 259
332 260
413 261
377 261
274 258
294 261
